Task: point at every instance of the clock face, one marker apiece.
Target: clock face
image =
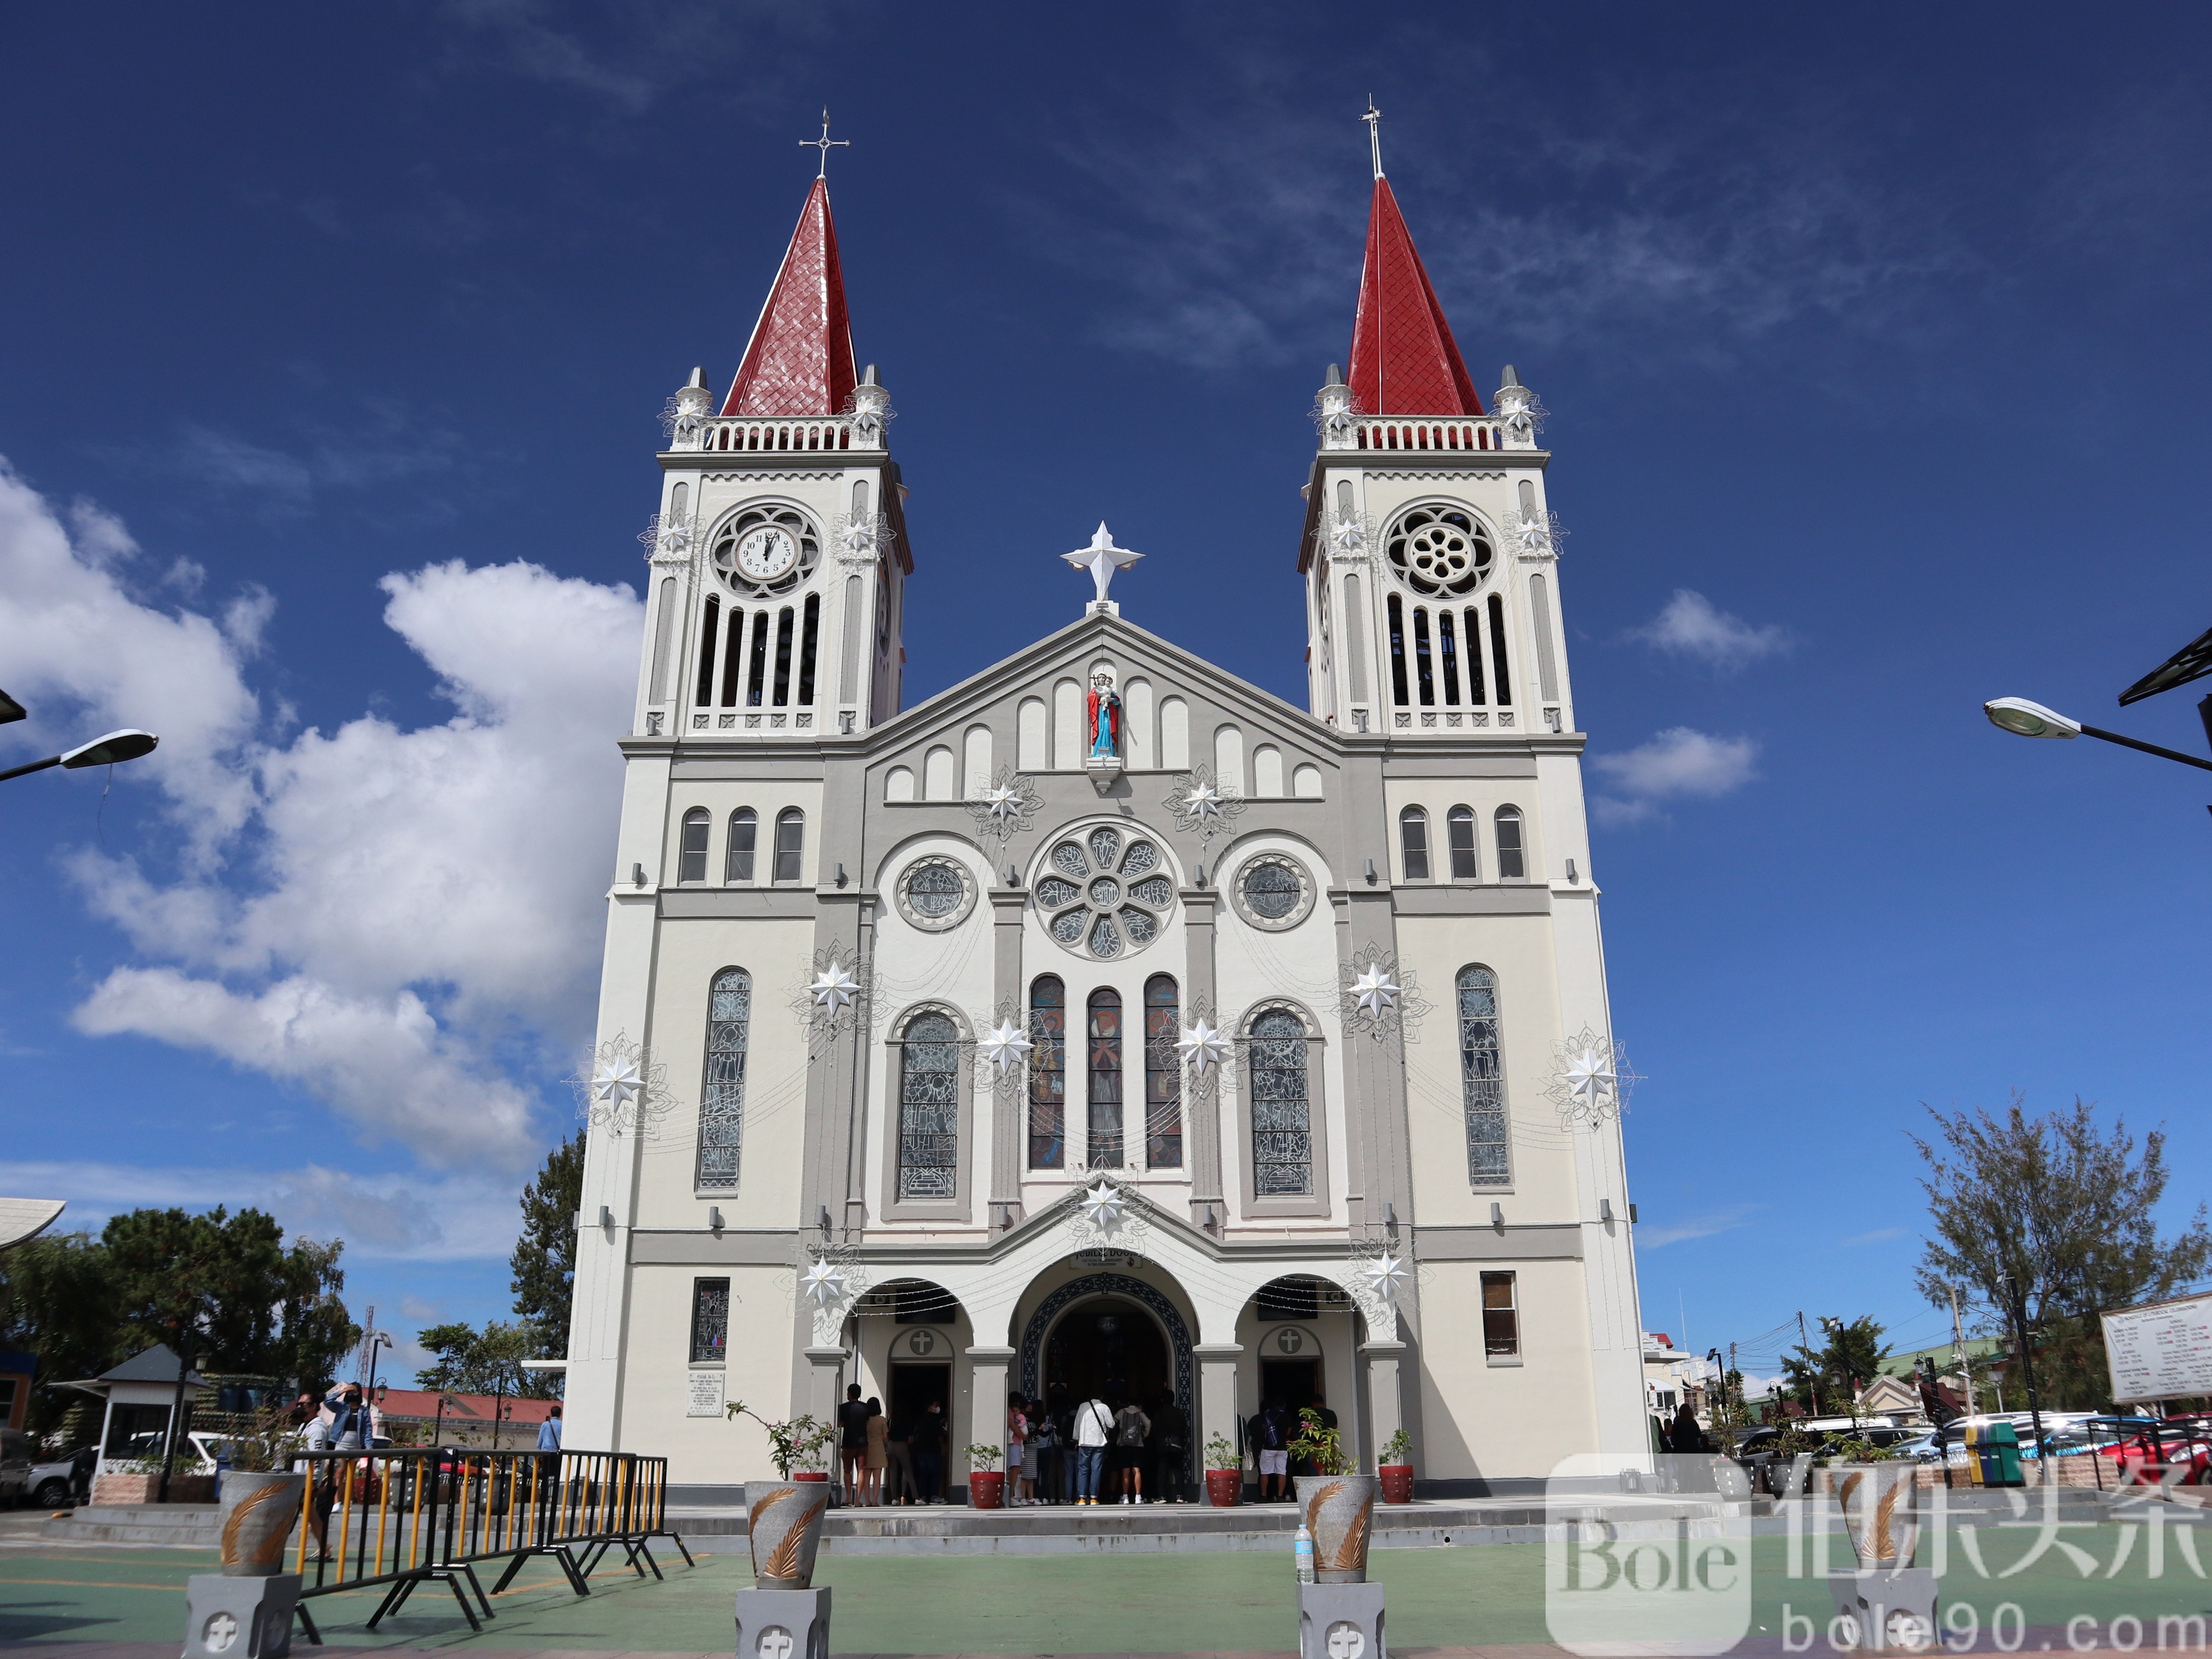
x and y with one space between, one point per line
766 553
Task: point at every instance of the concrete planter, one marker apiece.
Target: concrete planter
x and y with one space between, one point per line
1880 1512
256 1517
783 1524
1397 1480
986 1488
130 1490
1225 1488
1338 1510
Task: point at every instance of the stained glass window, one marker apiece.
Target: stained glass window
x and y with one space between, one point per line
722 1100
1163 1074
1048 1074
1282 1110
1105 1138
1482 1084
710 1321
929 1108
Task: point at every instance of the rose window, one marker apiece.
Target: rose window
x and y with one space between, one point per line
1439 549
1102 893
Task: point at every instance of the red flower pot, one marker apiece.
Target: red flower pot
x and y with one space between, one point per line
810 1474
1225 1488
1397 1482
986 1488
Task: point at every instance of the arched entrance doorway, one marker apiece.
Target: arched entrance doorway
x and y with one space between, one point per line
1109 1331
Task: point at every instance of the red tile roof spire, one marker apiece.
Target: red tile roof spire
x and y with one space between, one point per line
799 361
1404 360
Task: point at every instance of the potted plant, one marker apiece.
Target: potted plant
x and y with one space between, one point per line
1877 1494
986 1482
783 1518
1225 1474
1394 1468
260 1496
1337 1506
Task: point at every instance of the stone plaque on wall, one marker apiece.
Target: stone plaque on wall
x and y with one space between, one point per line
706 1394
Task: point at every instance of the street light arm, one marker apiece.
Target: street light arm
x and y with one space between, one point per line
35 766
2136 742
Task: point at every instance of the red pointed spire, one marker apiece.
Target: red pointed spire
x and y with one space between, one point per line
1404 360
799 361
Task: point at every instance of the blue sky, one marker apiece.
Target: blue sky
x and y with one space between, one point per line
336 339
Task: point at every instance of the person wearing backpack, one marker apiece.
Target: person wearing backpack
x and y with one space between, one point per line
1131 1426
1094 1427
1039 1454
1274 1436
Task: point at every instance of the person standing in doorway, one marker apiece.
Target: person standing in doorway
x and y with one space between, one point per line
1170 1450
899 1479
852 1442
1131 1430
1094 1427
1270 1430
880 1456
929 1452
1037 1453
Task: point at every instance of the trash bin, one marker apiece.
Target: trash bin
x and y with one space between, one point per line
1993 1455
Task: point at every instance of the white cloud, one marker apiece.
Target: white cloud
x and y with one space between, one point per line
1703 1226
408 918
1688 625
384 1217
1678 763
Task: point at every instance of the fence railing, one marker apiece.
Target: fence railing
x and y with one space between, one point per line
404 1518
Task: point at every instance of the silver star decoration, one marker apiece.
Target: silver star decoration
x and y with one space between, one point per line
618 1082
1101 559
670 542
1200 806
1336 415
1592 1080
1102 1205
870 406
1375 991
1536 536
621 1087
1347 539
859 541
824 1284
1007 806
835 989
1006 1046
1385 1274
1202 1045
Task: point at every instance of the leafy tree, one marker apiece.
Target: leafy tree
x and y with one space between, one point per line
1847 1362
487 1361
544 1259
55 1301
2065 1206
315 1333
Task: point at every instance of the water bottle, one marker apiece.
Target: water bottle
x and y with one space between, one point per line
1303 1548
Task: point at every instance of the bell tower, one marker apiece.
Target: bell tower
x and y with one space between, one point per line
780 552
1428 547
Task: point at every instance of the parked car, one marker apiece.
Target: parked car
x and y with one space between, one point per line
27 1477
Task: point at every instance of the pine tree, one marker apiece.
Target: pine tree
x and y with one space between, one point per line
544 1259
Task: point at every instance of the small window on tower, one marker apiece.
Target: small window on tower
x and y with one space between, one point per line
1511 864
1501 1317
744 832
692 862
1413 842
1459 828
790 842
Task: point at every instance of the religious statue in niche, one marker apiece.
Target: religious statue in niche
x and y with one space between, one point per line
1103 709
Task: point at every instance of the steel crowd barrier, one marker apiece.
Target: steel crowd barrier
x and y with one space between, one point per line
413 1515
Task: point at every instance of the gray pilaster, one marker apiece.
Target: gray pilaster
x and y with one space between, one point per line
1009 1106
1201 1108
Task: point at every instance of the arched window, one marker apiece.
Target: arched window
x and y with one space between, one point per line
1459 834
929 1108
1482 1084
1424 676
1282 1107
1511 866
731 656
1048 1074
782 657
809 636
1397 614
1503 677
744 832
1413 842
1163 1074
691 861
790 842
722 1099
710 630
1104 1144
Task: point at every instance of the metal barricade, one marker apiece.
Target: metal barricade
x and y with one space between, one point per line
407 1516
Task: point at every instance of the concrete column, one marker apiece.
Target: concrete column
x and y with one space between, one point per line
1009 1130
1201 1108
1217 1393
1385 1413
825 1369
987 1405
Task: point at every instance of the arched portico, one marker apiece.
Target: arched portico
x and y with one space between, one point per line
1122 1286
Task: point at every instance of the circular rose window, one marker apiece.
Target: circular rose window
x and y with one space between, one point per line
1104 893
1274 891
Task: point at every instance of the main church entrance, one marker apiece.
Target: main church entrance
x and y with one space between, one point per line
1109 1349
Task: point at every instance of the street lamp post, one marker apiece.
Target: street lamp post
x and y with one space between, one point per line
2032 719
125 745
2016 1312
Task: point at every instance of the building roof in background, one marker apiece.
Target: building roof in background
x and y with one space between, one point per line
156 1364
799 361
22 1219
465 1408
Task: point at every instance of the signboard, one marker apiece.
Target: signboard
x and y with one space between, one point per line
2161 1351
705 1394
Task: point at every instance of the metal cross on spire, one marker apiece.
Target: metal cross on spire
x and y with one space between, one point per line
825 143
1374 119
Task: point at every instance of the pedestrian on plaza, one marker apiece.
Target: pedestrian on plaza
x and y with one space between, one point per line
322 1481
1685 1437
1018 1433
1062 1410
1170 1450
1039 1454
899 1479
852 1442
1270 1433
1094 1427
1131 1428
929 1452
880 1456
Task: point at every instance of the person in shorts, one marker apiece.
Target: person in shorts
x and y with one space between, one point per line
1274 1452
853 1442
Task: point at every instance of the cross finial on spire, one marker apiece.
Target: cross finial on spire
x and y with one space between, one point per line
1101 559
1374 119
825 143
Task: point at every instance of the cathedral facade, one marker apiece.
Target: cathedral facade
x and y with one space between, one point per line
1104 1024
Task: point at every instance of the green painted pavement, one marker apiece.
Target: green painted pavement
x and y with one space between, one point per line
1046 1604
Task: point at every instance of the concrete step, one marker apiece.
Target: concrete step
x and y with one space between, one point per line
183 1526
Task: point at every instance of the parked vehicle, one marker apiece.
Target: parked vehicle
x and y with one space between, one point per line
25 1477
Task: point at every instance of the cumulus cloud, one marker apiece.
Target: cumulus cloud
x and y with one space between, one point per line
1689 625
1679 763
396 922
